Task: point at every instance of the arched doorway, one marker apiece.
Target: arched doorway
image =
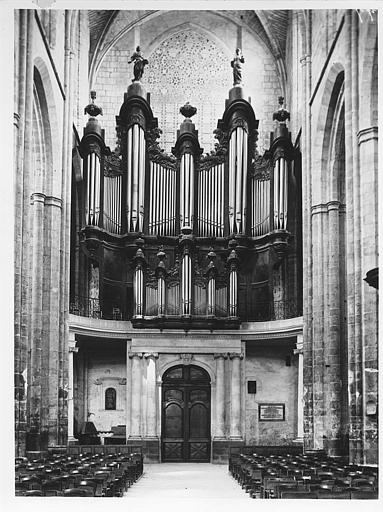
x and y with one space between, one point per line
186 415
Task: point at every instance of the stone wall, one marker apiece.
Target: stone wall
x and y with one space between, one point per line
188 61
275 383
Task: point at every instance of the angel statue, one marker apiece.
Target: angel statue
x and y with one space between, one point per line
139 64
236 64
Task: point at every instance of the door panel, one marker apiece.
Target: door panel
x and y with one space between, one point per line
173 421
186 415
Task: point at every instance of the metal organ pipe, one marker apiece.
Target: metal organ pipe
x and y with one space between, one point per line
141 179
238 172
232 157
139 290
161 295
129 149
280 193
186 285
233 285
135 178
187 190
93 202
238 147
211 297
162 200
244 179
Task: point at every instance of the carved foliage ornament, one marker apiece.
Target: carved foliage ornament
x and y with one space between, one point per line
155 153
261 168
112 165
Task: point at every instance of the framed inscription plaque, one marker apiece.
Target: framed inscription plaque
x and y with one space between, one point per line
271 412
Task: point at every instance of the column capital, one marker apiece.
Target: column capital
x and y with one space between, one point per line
224 355
299 344
148 355
233 355
135 354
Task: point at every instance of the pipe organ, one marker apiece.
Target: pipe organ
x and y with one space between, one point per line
188 238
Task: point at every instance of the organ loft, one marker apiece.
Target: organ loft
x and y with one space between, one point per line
187 242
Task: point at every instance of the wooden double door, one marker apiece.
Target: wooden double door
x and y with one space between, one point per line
186 415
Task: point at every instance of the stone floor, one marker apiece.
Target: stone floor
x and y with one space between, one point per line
192 486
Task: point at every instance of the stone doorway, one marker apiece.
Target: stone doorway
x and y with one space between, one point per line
186 404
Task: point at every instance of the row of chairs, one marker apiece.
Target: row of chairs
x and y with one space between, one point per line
83 475
303 476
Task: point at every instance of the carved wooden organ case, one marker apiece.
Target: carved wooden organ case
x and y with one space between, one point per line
186 240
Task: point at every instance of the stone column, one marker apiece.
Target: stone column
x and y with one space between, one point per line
220 396
151 405
135 416
72 349
235 395
300 403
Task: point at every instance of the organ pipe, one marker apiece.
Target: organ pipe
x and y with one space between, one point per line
210 201
162 200
281 149
139 291
233 292
211 276
238 148
112 203
138 281
233 281
186 284
187 190
135 178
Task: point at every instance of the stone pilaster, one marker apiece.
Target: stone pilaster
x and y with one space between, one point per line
220 396
300 401
151 404
72 350
235 409
135 416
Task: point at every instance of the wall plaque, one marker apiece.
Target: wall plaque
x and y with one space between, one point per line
271 412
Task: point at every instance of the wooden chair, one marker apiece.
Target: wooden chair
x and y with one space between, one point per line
76 492
33 492
364 495
296 495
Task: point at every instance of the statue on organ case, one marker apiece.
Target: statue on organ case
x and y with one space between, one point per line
139 64
236 64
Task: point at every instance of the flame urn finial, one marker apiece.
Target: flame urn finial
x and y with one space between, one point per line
92 109
281 115
188 110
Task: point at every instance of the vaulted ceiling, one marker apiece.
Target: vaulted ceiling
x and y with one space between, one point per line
270 26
